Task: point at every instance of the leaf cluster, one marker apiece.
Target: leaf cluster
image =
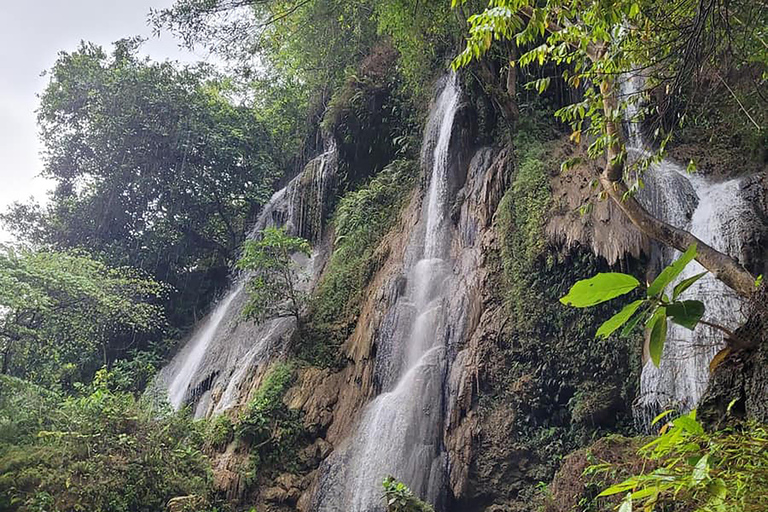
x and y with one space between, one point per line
400 498
726 470
657 308
273 276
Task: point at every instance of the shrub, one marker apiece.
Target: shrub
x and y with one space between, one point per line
268 426
726 470
98 451
400 498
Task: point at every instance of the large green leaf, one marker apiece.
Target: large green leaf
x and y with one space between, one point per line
658 327
685 284
686 313
632 323
671 272
619 319
598 289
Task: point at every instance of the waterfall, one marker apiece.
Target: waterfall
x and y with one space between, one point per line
179 386
719 215
212 372
400 431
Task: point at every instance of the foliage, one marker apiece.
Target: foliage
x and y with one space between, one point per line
400 498
537 387
423 34
726 470
668 42
274 277
154 166
268 426
657 308
318 41
65 314
219 432
363 217
371 118
96 451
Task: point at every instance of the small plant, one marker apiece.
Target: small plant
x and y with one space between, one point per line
726 470
270 429
657 308
219 432
400 498
273 288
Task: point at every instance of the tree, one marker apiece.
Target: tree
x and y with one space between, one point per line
274 280
155 166
63 315
594 43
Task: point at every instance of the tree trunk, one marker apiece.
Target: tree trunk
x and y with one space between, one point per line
722 266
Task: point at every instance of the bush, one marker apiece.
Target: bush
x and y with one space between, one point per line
98 451
271 430
726 470
400 498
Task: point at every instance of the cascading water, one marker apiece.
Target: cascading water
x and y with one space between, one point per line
400 432
198 345
719 215
213 369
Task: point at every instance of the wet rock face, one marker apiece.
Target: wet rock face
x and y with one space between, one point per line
740 382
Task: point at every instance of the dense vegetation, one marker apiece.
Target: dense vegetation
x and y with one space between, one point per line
160 171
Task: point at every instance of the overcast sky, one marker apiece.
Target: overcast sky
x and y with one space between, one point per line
32 32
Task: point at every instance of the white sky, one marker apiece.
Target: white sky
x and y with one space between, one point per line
32 32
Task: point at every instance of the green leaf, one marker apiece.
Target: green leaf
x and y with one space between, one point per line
759 281
631 324
620 487
658 327
689 424
686 313
671 272
662 416
634 10
685 284
619 319
701 470
598 289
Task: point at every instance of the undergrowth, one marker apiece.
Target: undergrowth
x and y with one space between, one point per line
100 451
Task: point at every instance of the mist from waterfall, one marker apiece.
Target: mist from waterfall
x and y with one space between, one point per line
716 213
400 432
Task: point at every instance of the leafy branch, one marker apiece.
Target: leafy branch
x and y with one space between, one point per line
656 309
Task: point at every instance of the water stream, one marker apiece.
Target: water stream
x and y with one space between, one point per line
213 370
718 214
400 432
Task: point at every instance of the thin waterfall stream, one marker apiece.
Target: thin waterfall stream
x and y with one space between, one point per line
400 431
212 371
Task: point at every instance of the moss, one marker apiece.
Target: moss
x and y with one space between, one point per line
361 220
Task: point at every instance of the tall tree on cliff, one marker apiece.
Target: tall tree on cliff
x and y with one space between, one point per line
596 43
